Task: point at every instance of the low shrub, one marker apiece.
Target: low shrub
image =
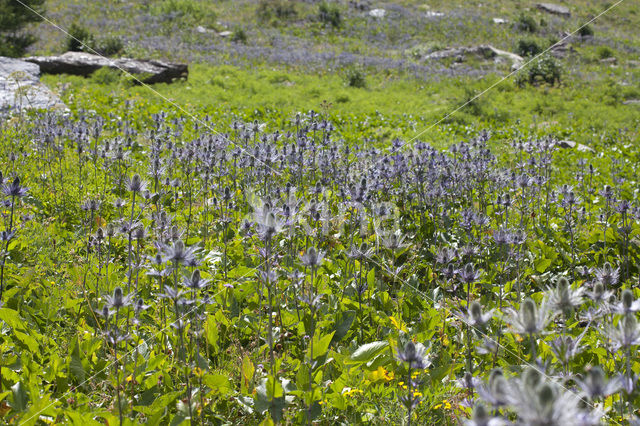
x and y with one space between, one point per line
544 70
528 47
329 14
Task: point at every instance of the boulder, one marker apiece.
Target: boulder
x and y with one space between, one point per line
486 51
20 87
631 102
81 63
575 145
611 61
377 13
556 9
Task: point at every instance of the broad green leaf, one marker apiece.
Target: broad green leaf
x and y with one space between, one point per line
366 352
20 397
211 332
343 324
320 345
218 383
75 363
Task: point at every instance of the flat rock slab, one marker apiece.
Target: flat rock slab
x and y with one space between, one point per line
81 63
556 9
575 145
486 51
20 87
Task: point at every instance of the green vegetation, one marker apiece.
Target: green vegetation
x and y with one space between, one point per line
323 224
14 40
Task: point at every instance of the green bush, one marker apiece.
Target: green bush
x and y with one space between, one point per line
585 31
528 47
329 14
604 52
13 18
356 77
79 39
110 46
106 76
239 36
276 11
526 23
544 70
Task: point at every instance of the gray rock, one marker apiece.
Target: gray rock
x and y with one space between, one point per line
431 14
611 61
631 102
20 87
81 63
377 13
556 9
225 34
499 21
203 30
578 146
486 51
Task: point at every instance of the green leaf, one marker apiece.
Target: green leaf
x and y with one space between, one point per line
367 352
247 374
160 404
12 318
320 345
20 397
211 332
343 324
75 364
543 264
218 383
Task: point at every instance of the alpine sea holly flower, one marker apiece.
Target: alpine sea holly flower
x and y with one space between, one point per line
474 315
497 390
625 334
529 319
627 304
481 417
599 294
118 300
312 257
595 384
177 253
414 355
136 184
564 298
195 282
468 274
14 189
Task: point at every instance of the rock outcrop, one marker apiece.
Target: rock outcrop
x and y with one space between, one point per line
81 63
20 87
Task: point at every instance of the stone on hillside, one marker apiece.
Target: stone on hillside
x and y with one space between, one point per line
486 51
225 34
81 63
20 87
203 30
377 13
611 61
631 102
578 146
499 21
431 14
556 9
